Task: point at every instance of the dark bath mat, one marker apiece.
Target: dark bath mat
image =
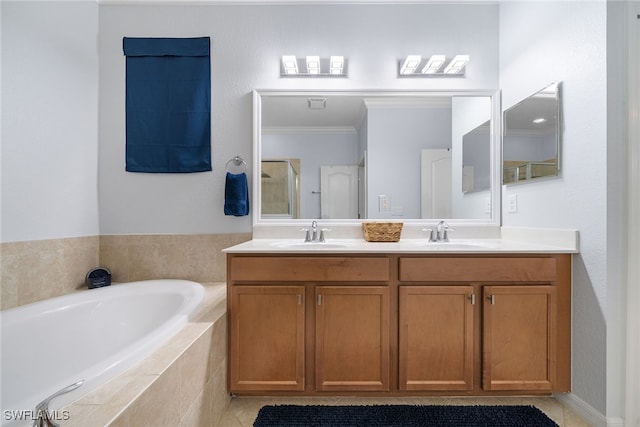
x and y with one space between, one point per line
401 416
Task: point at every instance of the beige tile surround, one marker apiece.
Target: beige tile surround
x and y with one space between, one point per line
32 271
195 257
36 270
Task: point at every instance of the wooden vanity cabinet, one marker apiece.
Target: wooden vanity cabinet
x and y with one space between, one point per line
352 338
317 323
436 337
394 324
519 337
267 338
521 330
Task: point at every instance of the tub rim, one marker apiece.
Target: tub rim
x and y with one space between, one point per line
115 364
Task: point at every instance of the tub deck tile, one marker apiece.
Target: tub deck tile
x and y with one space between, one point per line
107 402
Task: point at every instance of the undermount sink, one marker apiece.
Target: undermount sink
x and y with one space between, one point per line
309 245
455 245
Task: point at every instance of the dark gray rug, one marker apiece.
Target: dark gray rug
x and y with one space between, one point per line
401 416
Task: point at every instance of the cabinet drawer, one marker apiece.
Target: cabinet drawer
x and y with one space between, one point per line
477 269
315 269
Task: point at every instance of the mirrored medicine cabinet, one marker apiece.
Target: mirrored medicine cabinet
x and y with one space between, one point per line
350 156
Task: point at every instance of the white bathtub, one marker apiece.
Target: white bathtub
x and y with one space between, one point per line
92 335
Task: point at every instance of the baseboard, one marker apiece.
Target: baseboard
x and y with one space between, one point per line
587 412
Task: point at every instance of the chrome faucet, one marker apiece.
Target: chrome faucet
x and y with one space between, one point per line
440 233
42 410
312 235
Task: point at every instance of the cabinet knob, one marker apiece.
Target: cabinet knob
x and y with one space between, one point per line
472 298
492 299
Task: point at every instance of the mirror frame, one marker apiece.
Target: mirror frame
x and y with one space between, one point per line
495 153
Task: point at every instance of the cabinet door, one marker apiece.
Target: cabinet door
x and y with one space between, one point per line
436 337
266 338
519 329
352 338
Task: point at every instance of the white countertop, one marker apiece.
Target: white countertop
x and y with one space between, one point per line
511 241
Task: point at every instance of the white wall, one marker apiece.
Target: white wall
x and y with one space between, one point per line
617 230
543 42
246 44
632 227
49 120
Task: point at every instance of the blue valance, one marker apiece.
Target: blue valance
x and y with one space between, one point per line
137 46
168 104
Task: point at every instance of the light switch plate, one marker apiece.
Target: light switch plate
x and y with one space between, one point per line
512 203
383 203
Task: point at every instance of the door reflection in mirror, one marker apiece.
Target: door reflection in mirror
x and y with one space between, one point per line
339 192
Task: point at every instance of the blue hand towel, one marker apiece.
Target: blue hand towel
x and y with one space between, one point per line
236 195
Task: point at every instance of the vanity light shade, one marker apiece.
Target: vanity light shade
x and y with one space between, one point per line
457 64
313 64
289 64
336 65
433 64
410 64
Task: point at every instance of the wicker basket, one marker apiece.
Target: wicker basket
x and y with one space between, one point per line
382 231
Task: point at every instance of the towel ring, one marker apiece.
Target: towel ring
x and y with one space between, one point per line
237 161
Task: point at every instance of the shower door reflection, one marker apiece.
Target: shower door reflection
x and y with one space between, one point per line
280 179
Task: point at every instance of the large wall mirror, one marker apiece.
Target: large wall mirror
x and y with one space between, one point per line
531 137
390 155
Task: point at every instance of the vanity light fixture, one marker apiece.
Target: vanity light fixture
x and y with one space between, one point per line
289 65
410 64
457 64
433 64
313 66
336 65
415 65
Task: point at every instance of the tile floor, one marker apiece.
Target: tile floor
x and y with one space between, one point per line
243 410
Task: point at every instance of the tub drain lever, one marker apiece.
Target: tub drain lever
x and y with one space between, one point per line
42 410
